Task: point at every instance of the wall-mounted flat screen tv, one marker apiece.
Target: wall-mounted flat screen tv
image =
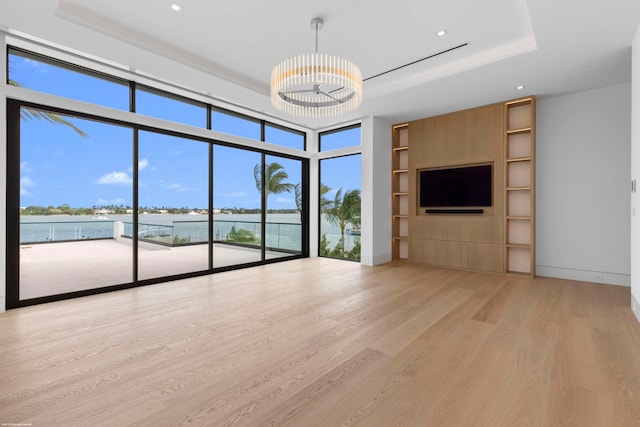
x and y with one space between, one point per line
469 186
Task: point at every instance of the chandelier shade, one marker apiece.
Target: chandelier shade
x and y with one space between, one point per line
316 85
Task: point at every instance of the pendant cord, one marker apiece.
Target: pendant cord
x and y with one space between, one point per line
316 37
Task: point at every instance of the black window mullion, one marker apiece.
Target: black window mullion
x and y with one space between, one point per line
132 96
210 216
305 208
263 215
134 219
12 206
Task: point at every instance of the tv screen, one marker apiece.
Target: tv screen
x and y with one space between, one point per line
456 187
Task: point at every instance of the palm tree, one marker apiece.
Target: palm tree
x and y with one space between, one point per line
275 179
344 209
324 202
28 114
297 191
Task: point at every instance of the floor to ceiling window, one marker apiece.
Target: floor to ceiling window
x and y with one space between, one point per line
340 199
284 206
173 194
98 203
75 186
237 215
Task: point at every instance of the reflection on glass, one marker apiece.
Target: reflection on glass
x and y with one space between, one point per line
342 138
283 186
235 124
166 106
340 207
38 73
173 205
75 197
237 205
284 137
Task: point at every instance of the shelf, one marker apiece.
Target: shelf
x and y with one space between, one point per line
516 131
519 245
405 148
400 187
519 164
517 102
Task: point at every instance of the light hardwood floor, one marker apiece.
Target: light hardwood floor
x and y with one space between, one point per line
327 343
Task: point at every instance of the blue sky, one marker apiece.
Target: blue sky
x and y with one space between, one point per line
58 166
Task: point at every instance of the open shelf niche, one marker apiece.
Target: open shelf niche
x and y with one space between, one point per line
400 192
519 155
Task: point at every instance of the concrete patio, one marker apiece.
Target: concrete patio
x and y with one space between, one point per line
56 268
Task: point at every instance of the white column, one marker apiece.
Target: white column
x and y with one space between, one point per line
635 175
376 191
314 192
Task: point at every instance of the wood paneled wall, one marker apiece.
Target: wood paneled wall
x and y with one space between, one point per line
474 242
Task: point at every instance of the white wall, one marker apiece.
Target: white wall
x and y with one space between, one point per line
376 191
582 186
635 174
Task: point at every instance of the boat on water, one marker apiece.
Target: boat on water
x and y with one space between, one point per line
100 214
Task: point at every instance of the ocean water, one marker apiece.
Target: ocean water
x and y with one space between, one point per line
282 230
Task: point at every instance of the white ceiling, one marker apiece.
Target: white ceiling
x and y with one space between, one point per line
227 48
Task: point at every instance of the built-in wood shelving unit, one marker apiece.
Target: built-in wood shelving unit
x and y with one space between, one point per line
400 192
519 155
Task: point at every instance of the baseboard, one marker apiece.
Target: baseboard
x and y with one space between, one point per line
584 275
635 307
376 260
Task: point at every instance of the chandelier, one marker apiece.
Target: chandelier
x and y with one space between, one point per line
316 85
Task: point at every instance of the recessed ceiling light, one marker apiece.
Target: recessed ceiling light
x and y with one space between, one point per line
176 7
441 33
520 87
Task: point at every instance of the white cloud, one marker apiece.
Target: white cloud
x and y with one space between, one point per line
25 184
119 201
115 178
36 65
24 167
281 199
179 187
101 202
143 164
235 194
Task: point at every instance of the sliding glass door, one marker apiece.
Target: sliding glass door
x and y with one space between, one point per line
76 187
237 202
284 211
95 205
173 194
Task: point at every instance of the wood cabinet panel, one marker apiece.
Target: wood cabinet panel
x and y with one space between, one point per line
485 257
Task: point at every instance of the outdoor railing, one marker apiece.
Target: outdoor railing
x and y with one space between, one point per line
279 235
42 232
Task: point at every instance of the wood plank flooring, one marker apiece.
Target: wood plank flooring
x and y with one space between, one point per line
319 342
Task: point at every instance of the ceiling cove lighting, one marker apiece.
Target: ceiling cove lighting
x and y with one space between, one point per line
316 85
